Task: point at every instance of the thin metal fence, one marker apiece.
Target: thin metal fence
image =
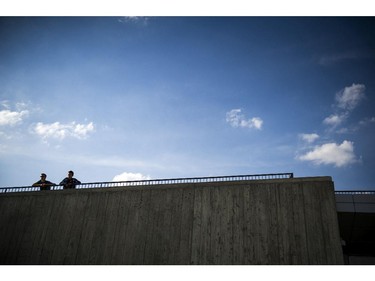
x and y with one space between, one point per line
355 192
155 182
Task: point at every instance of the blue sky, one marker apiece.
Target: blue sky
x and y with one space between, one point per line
122 98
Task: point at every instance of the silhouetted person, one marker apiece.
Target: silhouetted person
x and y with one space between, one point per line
43 183
70 182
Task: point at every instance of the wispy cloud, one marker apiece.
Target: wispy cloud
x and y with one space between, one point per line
349 97
310 138
236 119
355 127
338 155
367 121
346 100
135 20
130 177
61 131
334 120
5 104
13 117
332 59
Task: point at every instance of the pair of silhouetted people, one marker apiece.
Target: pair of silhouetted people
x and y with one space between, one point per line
68 183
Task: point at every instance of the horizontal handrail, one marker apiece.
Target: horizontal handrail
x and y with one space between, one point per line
155 182
354 192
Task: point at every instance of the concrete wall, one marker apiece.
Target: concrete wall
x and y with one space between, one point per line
290 221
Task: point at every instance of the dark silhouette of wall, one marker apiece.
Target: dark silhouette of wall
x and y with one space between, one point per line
356 217
289 221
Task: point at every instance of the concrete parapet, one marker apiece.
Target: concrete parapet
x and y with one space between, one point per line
284 221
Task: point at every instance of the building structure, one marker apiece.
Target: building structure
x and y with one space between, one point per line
258 219
356 216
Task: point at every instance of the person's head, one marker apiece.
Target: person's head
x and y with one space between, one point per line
70 174
43 176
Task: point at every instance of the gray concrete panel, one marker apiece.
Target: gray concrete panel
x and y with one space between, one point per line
364 198
345 207
344 198
364 208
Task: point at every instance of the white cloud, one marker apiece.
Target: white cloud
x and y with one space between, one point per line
15 114
345 101
310 138
12 118
236 119
81 130
130 177
334 120
331 153
256 122
349 97
61 131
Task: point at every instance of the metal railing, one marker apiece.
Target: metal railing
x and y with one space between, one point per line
155 182
355 192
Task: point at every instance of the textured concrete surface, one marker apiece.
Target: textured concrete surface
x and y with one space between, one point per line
291 221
